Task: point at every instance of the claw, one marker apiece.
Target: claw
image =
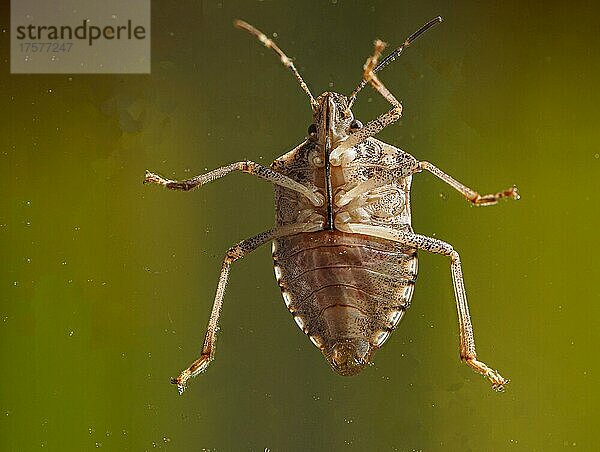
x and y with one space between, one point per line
180 384
196 368
490 200
499 387
153 178
498 382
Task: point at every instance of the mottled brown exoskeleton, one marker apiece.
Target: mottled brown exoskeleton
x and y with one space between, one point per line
344 251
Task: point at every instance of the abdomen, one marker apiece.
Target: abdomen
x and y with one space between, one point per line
348 289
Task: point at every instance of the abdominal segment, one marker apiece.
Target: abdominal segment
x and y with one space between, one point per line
347 292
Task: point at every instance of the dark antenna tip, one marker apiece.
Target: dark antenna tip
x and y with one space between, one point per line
392 56
395 54
433 22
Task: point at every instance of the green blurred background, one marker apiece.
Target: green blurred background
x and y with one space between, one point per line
106 285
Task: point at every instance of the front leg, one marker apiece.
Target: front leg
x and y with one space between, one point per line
343 153
369 74
249 167
467 340
471 195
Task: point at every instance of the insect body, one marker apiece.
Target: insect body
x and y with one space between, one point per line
344 251
346 291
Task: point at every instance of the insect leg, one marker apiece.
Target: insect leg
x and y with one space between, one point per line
467 340
375 126
247 167
471 195
370 77
369 74
370 129
234 253
372 66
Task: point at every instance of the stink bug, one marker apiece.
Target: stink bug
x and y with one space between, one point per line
344 251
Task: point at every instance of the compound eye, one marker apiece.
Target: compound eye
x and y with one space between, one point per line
312 130
355 124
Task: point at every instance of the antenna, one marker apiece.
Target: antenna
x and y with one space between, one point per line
395 54
282 56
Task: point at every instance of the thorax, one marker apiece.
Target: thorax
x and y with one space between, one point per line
361 189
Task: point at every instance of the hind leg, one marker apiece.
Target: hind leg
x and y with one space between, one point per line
234 253
467 340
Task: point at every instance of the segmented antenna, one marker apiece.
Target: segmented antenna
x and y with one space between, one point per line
282 56
395 54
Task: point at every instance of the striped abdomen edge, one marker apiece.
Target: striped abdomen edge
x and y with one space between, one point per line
341 286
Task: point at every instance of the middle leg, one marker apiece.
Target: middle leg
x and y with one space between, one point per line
470 194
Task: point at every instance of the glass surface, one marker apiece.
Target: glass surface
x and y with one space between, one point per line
106 285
